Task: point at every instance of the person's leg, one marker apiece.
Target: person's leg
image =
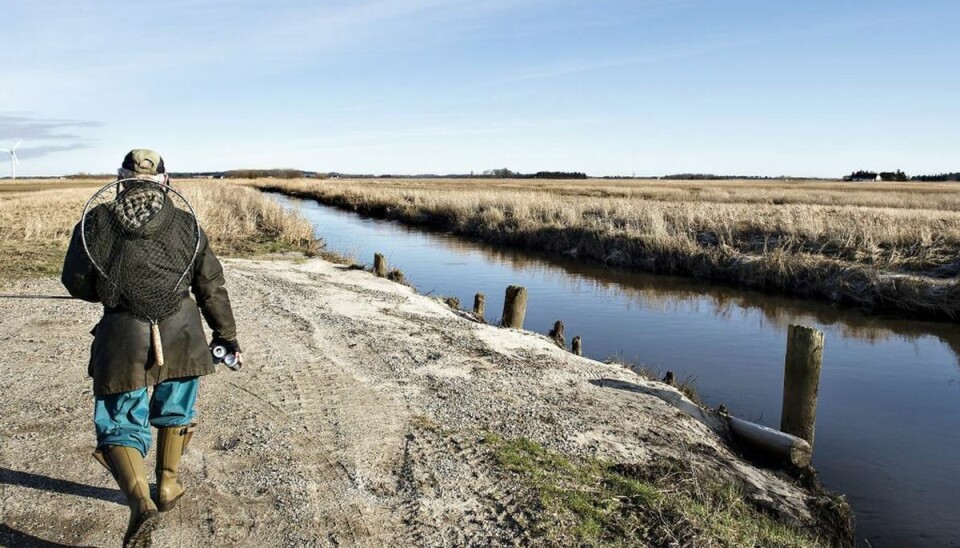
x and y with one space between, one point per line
172 412
172 402
123 438
122 420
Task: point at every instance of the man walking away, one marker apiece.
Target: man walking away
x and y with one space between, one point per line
123 363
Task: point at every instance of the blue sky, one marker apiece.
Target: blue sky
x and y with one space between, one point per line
813 88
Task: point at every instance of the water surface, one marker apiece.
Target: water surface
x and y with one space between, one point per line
888 423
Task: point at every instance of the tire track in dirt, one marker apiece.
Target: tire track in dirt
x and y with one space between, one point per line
476 510
429 502
331 474
346 419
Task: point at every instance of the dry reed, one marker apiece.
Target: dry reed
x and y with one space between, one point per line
35 226
880 247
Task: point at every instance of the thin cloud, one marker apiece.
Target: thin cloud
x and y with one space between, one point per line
684 51
492 127
29 152
218 33
601 64
41 136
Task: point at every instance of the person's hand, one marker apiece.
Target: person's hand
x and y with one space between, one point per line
232 347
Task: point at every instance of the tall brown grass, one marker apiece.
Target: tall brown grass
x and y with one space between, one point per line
242 221
35 226
881 247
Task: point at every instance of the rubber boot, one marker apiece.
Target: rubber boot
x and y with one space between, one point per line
126 465
171 443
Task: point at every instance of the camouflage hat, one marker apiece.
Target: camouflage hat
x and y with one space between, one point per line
143 161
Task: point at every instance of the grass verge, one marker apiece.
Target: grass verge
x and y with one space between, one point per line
591 502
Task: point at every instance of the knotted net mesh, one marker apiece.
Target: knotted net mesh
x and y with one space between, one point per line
142 237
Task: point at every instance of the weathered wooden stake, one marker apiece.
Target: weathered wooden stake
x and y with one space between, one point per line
670 378
479 303
801 380
577 346
514 307
379 265
557 334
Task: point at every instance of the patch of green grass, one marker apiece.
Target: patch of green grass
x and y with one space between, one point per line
592 502
396 275
21 260
338 258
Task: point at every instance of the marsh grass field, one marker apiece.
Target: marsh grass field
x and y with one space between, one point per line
890 247
37 219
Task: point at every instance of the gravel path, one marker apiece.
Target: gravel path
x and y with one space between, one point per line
355 422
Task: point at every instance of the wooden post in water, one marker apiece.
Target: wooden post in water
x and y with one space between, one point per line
670 378
514 307
379 265
577 346
801 380
557 334
479 304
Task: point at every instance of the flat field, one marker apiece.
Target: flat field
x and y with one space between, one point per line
37 219
881 246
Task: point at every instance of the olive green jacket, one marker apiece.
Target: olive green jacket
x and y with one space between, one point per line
121 357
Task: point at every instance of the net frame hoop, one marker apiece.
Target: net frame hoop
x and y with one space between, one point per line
116 185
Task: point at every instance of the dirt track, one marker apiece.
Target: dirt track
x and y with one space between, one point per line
356 421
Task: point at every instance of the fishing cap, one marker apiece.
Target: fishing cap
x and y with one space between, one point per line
144 162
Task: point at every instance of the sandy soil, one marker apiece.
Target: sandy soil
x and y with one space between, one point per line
356 421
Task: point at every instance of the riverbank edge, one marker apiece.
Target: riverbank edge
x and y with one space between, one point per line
830 280
833 518
833 514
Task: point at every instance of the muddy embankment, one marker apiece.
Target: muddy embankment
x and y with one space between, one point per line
368 415
761 262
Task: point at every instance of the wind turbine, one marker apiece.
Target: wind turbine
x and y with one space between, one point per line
13 157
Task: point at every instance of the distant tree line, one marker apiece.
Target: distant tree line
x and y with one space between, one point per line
955 176
272 173
85 175
559 175
863 175
894 176
504 173
711 176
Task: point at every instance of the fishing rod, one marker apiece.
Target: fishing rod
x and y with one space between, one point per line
6 296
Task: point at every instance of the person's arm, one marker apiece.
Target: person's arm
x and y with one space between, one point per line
79 275
211 295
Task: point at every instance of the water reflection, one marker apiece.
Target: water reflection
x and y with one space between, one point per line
678 294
